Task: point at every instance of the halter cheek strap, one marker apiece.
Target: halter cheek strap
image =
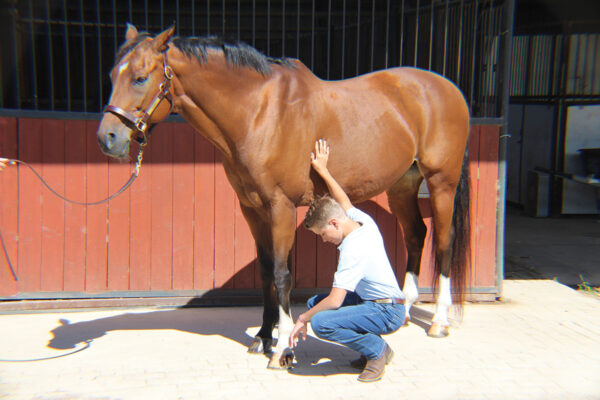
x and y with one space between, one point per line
140 124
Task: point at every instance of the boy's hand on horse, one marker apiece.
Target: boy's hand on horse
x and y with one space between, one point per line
320 157
319 160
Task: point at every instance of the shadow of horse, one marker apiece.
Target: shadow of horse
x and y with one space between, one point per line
420 317
314 357
201 321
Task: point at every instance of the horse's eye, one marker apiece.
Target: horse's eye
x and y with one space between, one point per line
140 80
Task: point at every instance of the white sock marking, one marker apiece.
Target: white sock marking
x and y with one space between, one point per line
444 301
411 291
286 324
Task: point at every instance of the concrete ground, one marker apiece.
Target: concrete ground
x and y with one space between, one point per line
541 341
565 248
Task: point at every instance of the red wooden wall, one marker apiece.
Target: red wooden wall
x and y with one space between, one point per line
179 228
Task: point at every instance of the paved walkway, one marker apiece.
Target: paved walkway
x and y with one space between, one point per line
541 342
564 248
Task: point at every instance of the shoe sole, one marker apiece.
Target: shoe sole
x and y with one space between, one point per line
370 380
358 364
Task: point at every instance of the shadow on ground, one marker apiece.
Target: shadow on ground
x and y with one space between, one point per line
201 321
313 356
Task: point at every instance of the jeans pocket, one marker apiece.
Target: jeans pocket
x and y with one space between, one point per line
396 319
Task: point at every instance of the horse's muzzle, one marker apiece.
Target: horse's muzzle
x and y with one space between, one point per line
113 145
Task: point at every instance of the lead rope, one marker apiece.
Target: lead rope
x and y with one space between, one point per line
12 161
134 175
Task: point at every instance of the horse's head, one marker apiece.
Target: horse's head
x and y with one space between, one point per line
141 84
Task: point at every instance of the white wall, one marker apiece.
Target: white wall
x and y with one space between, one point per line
583 131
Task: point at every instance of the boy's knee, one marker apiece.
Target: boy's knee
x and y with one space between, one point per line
319 325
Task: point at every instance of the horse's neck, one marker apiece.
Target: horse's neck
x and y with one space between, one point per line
219 101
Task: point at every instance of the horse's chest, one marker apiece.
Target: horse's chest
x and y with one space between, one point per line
245 188
250 198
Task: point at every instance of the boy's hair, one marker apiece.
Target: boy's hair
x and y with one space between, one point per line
321 210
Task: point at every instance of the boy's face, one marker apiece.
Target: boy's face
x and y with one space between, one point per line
330 233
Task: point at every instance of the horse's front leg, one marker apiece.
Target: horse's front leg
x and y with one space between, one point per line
283 226
261 231
264 338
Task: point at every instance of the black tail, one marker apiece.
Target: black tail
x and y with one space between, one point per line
460 262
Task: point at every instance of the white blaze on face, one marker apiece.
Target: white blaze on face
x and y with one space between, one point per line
286 324
123 67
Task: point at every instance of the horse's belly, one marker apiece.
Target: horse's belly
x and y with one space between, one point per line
361 184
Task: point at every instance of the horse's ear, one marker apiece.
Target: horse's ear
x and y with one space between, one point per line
160 41
131 33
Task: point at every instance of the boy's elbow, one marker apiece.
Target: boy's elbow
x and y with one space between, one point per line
337 297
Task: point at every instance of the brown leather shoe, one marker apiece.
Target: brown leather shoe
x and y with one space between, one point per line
374 369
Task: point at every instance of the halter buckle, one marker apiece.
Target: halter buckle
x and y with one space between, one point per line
168 72
141 125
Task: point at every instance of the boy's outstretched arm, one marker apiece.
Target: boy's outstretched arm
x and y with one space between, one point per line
319 162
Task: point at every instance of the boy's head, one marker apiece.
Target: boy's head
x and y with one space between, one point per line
324 218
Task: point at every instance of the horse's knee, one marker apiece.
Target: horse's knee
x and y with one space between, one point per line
283 280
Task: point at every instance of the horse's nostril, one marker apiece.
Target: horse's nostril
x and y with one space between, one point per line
111 138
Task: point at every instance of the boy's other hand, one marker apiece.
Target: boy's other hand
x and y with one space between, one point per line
300 330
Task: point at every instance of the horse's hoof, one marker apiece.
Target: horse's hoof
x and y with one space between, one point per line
260 346
438 331
281 361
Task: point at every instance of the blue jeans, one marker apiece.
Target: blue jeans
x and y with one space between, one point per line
357 324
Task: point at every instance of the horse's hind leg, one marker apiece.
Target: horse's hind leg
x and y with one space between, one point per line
442 189
403 200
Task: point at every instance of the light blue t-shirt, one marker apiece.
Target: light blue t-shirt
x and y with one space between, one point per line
363 266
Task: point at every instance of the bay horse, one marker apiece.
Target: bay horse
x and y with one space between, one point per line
388 131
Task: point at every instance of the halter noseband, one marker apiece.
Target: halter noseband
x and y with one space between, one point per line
140 124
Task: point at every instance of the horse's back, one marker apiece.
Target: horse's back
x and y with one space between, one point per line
378 124
432 107
391 118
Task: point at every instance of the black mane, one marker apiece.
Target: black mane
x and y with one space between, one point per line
237 54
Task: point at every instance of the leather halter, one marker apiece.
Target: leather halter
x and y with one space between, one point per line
140 124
